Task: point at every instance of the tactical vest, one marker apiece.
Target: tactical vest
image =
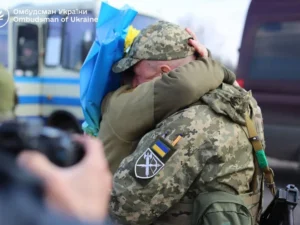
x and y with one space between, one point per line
221 208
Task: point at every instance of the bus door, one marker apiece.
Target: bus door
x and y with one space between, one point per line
53 48
67 45
77 39
26 48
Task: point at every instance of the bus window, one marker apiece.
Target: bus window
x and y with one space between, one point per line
77 31
277 51
27 49
4 43
54 41
142 21
87 43
44 30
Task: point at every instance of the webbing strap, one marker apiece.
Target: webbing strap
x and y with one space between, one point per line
255 176
260 155
249 199
253 203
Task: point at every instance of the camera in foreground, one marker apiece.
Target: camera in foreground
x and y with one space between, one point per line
57 145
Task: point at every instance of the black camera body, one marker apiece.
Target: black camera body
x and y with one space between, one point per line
57 145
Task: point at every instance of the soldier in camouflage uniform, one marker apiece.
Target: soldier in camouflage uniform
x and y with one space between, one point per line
201 148
123 124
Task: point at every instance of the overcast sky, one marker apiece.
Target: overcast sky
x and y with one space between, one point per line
223 20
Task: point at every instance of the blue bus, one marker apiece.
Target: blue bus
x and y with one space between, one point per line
45 51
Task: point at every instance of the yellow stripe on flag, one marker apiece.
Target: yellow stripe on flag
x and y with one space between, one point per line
158 150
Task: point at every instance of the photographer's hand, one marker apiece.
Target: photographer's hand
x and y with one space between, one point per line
82 190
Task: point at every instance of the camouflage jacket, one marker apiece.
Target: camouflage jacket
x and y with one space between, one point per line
214 154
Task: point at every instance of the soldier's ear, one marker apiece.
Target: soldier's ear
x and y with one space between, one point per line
165 68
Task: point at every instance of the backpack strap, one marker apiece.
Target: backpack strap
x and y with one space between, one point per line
220 207
253 201
261 159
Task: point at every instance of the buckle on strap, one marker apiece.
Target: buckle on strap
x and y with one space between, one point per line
254 138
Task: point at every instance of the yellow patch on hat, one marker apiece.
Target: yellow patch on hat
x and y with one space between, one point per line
131 35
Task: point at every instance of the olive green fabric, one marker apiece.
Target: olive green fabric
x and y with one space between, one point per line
220 208
7 95
129 114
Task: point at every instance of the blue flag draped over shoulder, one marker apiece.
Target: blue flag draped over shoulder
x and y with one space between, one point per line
96 76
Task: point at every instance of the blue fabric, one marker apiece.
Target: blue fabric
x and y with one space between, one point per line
96 76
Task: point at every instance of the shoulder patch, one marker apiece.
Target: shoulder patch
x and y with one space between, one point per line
147 165
152 160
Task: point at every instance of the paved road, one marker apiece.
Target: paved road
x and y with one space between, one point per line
284 177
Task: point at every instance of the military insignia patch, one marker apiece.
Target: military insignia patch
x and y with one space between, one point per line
153 160
148 165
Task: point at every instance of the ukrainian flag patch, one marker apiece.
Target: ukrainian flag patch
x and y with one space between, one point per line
160 148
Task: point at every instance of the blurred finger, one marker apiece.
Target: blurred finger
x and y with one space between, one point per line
78 138
198 47
94 151
191 33
38 164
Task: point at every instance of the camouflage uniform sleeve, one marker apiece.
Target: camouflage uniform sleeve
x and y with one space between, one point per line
122 112
229 76
142 201
185 85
